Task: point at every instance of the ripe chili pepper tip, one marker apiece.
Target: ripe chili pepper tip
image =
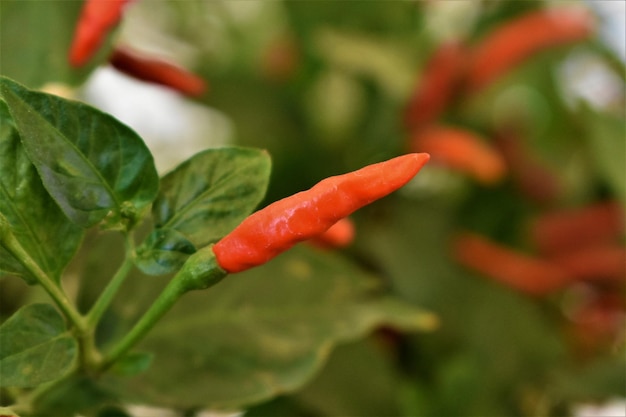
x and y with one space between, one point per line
307 214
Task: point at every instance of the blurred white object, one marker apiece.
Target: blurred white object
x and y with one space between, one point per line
173 127
586 76
144 411
614 408
612 28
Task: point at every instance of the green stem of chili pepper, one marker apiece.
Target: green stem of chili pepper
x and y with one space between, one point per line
304 215
199 272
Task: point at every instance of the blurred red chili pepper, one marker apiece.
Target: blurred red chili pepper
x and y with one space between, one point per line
508 266
96 19
339 235
281 59
157 71
277 227
437 85
565 230
595 263
460 150
516 40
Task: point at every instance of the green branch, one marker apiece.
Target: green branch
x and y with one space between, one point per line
10 243
105 299
201 271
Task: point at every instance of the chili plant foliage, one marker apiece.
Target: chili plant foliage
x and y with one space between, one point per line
69 169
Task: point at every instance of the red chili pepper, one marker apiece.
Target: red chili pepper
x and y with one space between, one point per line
339 235
595 263
460 150
437 85
97 18
508 266
565 230
279 226
516 40
157 72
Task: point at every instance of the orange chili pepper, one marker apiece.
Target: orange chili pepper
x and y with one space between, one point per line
307 214
508 266
460 150
157 72
97 18
516 40
437 85
565 230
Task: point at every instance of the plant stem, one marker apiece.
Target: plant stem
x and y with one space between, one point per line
172 292
199 272
105 299
10 243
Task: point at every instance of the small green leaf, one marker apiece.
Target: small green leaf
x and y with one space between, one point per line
209 194
35 347
33 216
203 199
91 164
133 363
608 148
164 250
266 332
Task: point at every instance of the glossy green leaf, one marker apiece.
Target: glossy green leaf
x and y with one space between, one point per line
208 195
91 164
33 216
200 201
35 347
264 332
164 250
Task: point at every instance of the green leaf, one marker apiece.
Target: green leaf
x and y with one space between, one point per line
203 199
91 164
163 251
348 388
33 216
133 363
35 347
264 332
345 387
75 395
608 148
